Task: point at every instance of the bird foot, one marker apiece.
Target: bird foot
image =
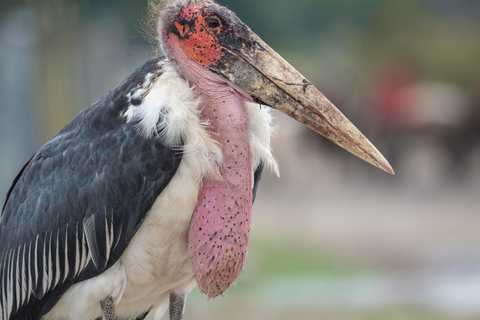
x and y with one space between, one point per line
177 303
108 308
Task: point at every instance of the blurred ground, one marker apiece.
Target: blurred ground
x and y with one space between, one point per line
333 238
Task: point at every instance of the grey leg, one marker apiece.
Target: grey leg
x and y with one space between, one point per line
108 308
176 306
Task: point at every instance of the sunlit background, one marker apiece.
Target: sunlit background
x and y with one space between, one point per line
333 238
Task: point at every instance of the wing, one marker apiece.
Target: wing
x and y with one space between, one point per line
257 176
79 201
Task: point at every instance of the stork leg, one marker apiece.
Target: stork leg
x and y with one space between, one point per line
176 306
108 308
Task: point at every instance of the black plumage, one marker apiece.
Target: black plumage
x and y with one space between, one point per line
93 183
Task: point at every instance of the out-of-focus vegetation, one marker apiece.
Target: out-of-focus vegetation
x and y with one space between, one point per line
334 238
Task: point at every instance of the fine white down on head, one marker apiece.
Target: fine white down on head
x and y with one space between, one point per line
160 12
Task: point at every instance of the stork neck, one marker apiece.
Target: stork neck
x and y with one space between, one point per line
221 102
223 108
220 225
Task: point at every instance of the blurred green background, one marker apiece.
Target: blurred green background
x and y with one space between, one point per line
333 238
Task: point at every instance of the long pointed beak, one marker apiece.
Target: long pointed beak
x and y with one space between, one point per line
270 80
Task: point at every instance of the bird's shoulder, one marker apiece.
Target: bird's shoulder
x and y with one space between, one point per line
99 123
77 203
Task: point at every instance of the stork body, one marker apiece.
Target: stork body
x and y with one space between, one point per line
156 261
149 191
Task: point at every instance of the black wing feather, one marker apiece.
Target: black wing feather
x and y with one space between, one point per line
257 176
84 194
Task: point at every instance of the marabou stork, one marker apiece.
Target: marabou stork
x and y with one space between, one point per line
149 191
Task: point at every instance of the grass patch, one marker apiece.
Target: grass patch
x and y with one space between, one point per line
279 256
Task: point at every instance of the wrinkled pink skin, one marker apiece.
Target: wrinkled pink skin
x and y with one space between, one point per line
220 225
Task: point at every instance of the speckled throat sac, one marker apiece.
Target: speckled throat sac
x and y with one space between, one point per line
220 226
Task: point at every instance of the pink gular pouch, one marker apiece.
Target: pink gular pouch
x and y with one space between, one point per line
220 225
220 229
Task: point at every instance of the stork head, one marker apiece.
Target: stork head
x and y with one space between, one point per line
203 36
216 39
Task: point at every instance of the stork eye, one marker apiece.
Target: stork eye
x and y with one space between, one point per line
213 23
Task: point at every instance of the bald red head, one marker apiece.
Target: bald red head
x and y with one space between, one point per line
199 32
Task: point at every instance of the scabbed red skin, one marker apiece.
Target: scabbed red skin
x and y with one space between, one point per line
220 226
198 42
